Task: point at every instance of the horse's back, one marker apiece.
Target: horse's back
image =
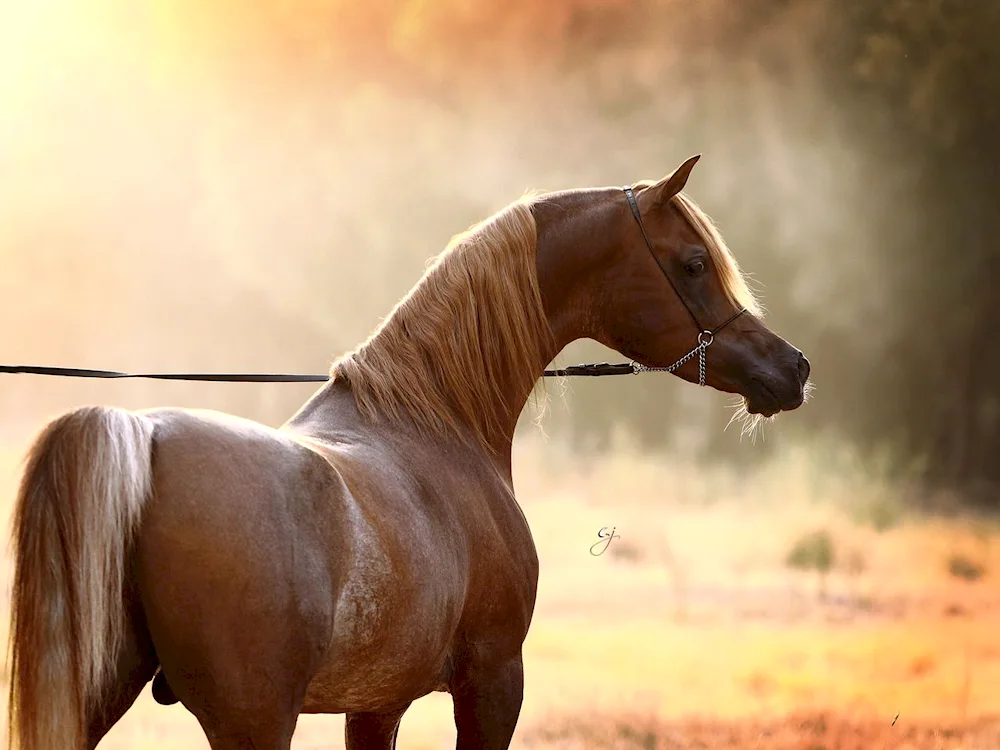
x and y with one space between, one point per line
225 476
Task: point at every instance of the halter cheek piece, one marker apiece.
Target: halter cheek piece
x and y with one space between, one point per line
705 336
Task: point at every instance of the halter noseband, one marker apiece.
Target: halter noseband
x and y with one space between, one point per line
705 336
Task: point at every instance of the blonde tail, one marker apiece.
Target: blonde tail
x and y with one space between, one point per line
87 478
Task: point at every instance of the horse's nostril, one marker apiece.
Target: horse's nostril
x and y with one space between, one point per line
803 368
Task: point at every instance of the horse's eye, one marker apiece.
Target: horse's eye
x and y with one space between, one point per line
695 268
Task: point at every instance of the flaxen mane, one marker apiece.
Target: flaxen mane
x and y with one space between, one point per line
473 321
733 281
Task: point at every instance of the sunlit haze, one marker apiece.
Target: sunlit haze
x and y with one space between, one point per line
214 185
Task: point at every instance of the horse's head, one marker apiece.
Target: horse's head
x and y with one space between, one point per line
652 279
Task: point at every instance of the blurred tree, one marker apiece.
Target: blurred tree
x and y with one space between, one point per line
929 73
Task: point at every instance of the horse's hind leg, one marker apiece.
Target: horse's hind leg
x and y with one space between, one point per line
261 734
136 666
244 706
371 731
487 700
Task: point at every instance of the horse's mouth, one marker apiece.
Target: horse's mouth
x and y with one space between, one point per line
762 400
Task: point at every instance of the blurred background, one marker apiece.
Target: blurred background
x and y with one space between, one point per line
218 185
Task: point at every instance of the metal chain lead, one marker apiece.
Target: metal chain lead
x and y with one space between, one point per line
705 339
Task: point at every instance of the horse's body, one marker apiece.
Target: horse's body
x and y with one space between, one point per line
371 550
373 598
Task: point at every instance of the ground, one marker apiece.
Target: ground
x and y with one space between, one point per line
693 630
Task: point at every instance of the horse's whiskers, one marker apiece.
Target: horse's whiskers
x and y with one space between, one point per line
807 391
751 425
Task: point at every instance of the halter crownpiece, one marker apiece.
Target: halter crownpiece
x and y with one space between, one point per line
705 336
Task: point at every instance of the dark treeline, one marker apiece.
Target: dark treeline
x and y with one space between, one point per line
929 76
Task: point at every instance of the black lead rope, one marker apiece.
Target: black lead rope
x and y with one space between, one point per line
594 370
221 377
599 369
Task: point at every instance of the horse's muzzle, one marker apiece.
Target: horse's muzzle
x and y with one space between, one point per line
771 393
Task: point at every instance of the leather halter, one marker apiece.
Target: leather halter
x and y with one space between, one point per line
705 335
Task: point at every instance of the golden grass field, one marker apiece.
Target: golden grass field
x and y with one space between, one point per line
692 632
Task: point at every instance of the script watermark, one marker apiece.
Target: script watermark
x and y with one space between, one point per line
603 537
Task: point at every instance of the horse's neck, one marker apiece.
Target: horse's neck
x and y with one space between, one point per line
508 389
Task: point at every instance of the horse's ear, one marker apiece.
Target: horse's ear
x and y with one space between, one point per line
670 186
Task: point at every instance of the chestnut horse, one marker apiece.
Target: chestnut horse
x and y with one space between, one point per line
369 551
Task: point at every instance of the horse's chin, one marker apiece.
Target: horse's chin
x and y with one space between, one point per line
761 401
750 417
752 411
760 410
766 399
